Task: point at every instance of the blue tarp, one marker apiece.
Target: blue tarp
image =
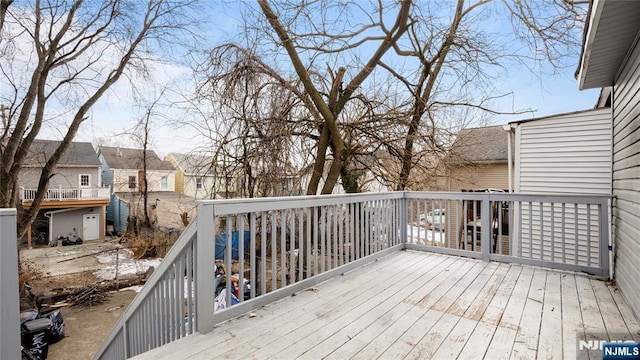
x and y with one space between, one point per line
221 242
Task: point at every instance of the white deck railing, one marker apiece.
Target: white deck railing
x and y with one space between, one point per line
284 245
63 194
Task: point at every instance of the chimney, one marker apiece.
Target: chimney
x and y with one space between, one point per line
118 152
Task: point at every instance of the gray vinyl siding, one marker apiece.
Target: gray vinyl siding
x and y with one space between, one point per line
626 178
564 154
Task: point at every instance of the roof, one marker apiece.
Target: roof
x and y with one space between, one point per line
586 112
612 27
78 154
124 158
484 144
192 164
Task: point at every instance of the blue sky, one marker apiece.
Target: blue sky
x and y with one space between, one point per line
546 94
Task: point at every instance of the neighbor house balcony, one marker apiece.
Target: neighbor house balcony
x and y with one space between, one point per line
63 196
500 276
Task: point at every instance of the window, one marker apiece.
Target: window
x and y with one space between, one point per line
132 182
198 183
164 182
85 180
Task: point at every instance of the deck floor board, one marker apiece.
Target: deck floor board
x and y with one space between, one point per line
419 305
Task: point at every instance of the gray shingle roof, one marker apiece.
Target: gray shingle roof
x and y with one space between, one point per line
78 154
192 164
485 144
124 158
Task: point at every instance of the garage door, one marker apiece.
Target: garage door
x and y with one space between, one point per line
90 226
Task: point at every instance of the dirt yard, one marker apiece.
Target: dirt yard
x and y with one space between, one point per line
87 327
62 268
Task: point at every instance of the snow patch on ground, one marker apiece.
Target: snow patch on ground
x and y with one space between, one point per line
126 264
135 288
420 235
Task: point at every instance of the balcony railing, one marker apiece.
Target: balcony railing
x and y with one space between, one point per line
284 245
64 194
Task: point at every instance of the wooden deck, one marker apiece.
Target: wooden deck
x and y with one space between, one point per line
420 305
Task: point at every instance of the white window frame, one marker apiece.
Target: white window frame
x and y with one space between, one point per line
164 182
88 180
199 182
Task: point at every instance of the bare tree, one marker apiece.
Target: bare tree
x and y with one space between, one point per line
4 6
79 51
458 60
252 117
330 104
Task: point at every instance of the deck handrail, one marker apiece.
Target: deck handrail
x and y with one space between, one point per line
66 193
328 235
151 301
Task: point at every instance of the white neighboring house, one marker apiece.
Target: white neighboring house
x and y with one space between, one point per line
75 199
195 176
122 169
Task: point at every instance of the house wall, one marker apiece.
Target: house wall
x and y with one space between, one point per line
65 177
207 190
489 176
63 223
121 180
566 154
179 177
626 175
105 171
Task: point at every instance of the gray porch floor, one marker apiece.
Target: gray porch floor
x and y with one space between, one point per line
421 305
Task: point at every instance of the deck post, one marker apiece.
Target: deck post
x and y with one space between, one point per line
403 219
604 228
9 298
204 268
485 226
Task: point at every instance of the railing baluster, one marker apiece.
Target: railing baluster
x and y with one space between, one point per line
575 229
499 238
367 228
240 284
274 250
301 247
190 305
283 246
263 253
541 240
308 257
228 255
339 255
292 246
316 226
553 232
353 245
252 256
564 243
588 234
323 238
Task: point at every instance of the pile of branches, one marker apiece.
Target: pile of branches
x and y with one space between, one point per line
89 296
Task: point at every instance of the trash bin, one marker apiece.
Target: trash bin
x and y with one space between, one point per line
35 337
